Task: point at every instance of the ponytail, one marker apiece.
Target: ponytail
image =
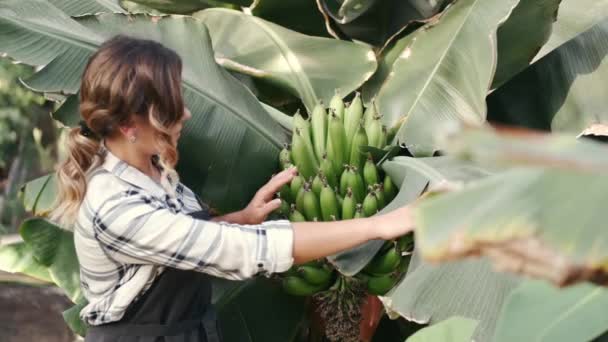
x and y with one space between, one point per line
84 154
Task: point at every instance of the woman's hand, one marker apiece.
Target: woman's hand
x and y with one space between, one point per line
395 223
263 203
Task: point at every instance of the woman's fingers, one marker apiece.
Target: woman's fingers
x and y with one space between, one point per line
274 185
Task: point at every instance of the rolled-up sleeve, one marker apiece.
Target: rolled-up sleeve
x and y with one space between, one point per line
135 228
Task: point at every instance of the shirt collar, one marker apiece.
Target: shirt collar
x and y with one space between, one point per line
132 175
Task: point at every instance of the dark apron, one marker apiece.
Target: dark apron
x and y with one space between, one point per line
176 308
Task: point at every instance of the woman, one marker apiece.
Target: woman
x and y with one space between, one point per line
143 239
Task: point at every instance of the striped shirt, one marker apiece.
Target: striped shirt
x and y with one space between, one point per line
129 228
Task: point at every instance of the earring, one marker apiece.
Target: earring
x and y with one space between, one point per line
132 139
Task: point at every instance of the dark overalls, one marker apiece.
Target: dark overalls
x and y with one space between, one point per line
176 308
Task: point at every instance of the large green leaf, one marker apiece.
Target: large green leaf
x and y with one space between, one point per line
72 318
311 68
54 248
82 7
227 120
39 194
520 38
574 17
455 329
441 79
545 220
563 91
188 6
18 257
539 312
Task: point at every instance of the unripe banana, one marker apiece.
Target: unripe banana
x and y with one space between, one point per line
311 205
385 262
299 287
317 184
303 155
349 205
329 203
343 180
379 192
319 129
382 284
370 205
336 105
374 132
320 276
390 190
339 198
359 211
284 208
370 113
337 136
359 140
302 125
295 215
370 172
300 198
285 193
352 119
296 183
285 157
354 180
327 168
383 137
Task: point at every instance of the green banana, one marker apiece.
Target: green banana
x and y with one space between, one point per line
285 157
355 181
284 208
316 275
300 198
317 183
319 129
385 262
374 132
349 205
360 139
352 119
390 190
329 203
343 180
359 211
299 287
311 205
296 183
383 137
406 243
370 172
285 193
370 113
370 205
336 104
295 215
303 156
301 124
327 168
382 284
380 196
338 142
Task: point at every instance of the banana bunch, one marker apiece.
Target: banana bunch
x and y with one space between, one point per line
308 279
337 181
388 266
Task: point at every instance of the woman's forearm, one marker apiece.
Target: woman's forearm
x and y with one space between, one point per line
314 240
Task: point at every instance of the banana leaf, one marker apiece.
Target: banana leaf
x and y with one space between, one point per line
537 311
296 62
563 91
543 217
426 95
82 7
455 329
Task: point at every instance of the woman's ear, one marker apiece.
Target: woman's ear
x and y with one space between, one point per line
128 129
